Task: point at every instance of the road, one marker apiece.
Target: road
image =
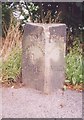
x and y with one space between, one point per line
29 103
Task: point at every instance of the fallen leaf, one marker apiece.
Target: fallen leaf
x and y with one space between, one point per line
64 88
12 87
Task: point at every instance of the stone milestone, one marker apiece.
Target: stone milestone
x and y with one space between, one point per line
43 57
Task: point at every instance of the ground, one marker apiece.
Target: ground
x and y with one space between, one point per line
29 103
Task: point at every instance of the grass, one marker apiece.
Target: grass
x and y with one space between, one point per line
75 67
12 66
11 51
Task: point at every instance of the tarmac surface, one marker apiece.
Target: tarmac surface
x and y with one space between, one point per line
29 103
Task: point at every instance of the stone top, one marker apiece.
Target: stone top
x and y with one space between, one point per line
47 25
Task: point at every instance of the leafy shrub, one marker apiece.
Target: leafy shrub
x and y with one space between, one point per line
11 67
74 66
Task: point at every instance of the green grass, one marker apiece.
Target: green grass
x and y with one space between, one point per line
11 67
74 66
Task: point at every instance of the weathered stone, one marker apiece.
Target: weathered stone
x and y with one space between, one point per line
43 63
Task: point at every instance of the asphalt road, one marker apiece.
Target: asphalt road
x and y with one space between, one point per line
29 103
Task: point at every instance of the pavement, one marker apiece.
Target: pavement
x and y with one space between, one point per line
29 103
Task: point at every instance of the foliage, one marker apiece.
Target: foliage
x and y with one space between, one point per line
27 12
19 11
46 12
11 67
6 16
74 65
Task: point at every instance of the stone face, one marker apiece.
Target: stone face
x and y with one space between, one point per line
43 63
